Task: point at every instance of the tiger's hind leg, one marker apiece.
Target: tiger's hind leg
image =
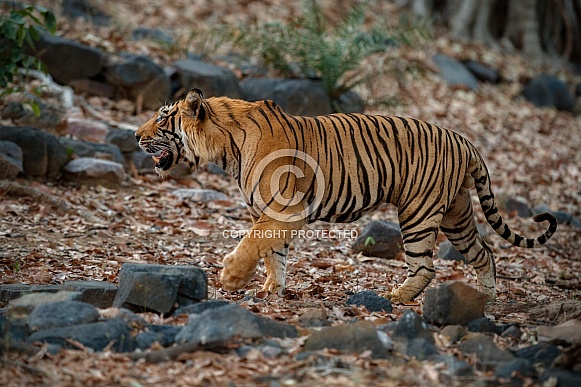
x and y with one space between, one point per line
460 228
419 238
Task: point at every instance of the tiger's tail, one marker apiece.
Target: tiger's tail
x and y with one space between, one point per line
486 197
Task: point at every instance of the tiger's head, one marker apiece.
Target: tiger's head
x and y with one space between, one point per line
169 135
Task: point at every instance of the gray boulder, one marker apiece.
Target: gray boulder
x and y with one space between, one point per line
455 73
139 78
379 239
547 90
42 153
214 81
157 287
487 352
92 171
453 303
124 139
295 96
447 251
10 160
61 314
100 294
86 10
67 60
371 301
80 148
482 72
199 195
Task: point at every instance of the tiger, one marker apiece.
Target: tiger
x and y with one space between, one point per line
335 168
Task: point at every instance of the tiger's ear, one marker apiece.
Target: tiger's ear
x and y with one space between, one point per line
194 102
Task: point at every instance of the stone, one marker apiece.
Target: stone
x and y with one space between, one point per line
454 366
351 338
201 307
453 303
10 160
139 78
314 318
447 251
483 325
61 314
67 60
79 148
124 139
230 321
12 291
301 97
154 34
93 87
86 10
513 332
547 90
482 72
42 153
371 301
559 377
214 81
156 287
569 331
487 353
215 169
143 161
412 325
578 90
162 334
87 130
96 336
349 102
544 353
418 347
92 171
21 308
199 195
453 332
380 239
13 330
513 205
100 294
516 367
455 73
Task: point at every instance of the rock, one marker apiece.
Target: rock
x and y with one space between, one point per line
482 72
199 195
162 334
42 153
156 287
453 303
418 347
380 239
10 160
447 251
21 308
454 366
61 314
547 90
560 378
93 87
142 161
544 353
349 102
154 34
520 368
11 291
295 96
513 332
578 90
216 170
410 326
86 10
513 205
351 338
87 130
483 325
455 73
141 79
569 331
487 353
371 301
229 321
453 332
201 307
214 81
92 171
100 294
67 60
52 118
81 148
124 139
13 330
96 335
314 318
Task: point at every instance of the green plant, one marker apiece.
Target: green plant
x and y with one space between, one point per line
18 28
369 241
311 46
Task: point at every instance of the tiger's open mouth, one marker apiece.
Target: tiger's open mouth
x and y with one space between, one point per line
163 159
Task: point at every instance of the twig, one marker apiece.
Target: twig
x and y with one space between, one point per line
172 353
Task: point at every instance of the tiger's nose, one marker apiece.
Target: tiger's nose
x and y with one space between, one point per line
137 137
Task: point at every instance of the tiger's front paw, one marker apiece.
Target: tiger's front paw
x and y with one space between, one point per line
236 273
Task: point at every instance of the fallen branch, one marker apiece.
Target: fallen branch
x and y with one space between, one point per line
172 353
